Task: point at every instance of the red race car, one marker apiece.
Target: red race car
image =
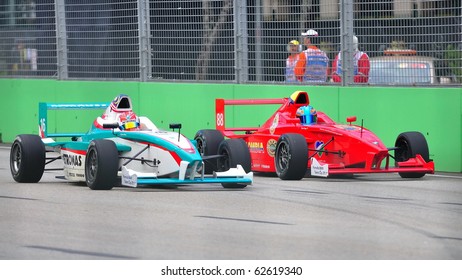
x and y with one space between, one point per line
296 138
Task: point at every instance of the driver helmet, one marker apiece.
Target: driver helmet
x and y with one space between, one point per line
129 121
294 47
306 114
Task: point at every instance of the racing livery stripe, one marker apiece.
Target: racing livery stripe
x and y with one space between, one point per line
175 156
80 152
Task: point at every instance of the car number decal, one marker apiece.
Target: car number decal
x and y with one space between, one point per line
220 119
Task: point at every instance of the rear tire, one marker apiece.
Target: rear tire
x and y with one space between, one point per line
101 165
27 158
234 152
291 158
207 143
408 145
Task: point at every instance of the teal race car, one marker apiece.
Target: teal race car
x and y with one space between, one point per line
122 148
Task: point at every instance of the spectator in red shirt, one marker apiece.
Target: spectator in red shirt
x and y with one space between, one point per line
361 65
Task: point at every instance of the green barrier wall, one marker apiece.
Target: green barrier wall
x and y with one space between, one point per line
436 112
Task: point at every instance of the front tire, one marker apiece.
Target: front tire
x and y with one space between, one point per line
291 158
408 145
27 158
234 152
101 165
207 143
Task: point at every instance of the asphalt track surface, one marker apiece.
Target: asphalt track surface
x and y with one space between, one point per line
376 217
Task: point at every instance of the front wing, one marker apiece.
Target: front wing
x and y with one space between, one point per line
236 175
413 165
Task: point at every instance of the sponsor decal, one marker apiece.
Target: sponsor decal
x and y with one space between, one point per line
271 147
130 180
72 176
274 125
317 169
255 147
347 127
72 160
319 146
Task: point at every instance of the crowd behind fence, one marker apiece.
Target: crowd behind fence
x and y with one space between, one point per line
408 42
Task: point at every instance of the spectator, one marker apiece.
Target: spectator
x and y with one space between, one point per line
313 63
294 48
361 65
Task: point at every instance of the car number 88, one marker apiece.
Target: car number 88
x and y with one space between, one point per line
220 119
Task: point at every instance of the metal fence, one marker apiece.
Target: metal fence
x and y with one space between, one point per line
409 42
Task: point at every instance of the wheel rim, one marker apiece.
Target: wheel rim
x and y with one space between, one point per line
224 161
200 146
201 150
403 152
92 166
283 156
16 160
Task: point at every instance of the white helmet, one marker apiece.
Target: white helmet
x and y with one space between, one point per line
310 33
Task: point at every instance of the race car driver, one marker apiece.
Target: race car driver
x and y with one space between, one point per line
307 115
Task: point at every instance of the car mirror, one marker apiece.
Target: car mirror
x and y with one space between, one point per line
175 125
351 119
111 125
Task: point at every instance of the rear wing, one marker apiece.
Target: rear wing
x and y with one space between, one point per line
45 107
220 119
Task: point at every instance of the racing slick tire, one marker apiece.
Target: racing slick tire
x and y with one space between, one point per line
234 152
291 157
408 145
27 158
101 165
207 143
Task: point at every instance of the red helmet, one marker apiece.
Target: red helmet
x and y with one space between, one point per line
129 121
